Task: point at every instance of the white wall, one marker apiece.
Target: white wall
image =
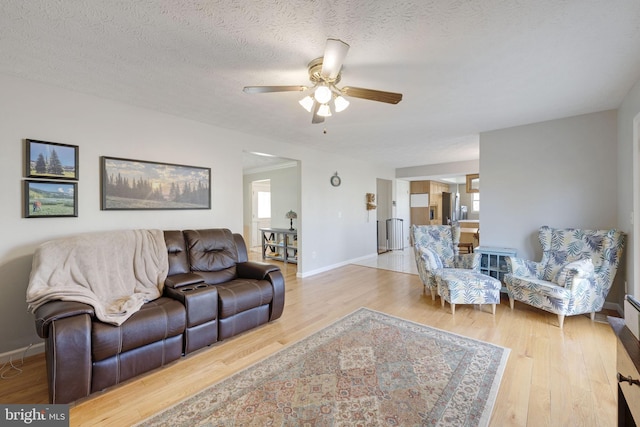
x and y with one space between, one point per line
335 226
628 185
561 173
335 218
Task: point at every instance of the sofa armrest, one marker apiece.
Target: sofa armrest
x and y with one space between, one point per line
272 274
255 270
66 327
277 282
524 268
55 310
183 279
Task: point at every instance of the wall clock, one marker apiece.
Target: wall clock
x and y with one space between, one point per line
335 180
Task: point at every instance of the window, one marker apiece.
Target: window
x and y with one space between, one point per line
475 202
264 204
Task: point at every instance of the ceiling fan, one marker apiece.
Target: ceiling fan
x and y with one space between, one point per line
325 73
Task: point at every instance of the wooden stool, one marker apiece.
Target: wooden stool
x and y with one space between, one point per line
468 247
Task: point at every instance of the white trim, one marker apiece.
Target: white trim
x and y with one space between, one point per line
631 287
270 168
17 354
333 266
614 306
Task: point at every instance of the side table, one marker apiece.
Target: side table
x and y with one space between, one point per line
493 262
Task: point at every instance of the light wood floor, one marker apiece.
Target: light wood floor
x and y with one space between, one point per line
553 377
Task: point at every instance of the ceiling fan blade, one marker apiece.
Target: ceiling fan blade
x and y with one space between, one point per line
316 118
334 54
267 89
373 95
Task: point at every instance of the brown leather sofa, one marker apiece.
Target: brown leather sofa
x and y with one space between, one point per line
212 293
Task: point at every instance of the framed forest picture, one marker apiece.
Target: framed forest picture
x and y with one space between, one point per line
51 160
142 185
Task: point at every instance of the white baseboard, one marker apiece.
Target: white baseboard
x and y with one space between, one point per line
333 266
19 353
614 306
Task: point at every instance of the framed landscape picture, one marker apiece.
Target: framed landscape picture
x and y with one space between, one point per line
51 160
137 184
46 199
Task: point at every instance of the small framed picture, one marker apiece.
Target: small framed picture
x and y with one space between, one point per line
51 160
47 199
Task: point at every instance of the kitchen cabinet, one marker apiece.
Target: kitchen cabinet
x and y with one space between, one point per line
431 215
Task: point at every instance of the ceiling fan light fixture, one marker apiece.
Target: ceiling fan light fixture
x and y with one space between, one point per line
324 110
341 104
325 73
307 103
322 94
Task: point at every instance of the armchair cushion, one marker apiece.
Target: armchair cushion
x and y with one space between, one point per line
431 259
580 269
558 261
442 239
467 261
525 268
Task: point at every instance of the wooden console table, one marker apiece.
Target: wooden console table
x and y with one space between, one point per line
280 244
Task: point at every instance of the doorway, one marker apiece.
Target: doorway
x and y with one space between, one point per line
389 230
635 284
260 209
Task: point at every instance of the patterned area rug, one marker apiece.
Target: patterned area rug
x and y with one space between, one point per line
366 369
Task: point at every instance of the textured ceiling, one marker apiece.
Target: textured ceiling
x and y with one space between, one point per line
463 66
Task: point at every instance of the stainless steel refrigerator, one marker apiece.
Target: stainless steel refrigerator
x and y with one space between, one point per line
450 207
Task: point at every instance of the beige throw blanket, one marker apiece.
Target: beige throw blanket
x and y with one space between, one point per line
115 271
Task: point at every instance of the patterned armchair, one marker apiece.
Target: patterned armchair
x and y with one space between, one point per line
574 276
435 247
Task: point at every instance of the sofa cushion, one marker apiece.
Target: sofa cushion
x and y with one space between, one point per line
155 321
212 254
177 252
242 294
